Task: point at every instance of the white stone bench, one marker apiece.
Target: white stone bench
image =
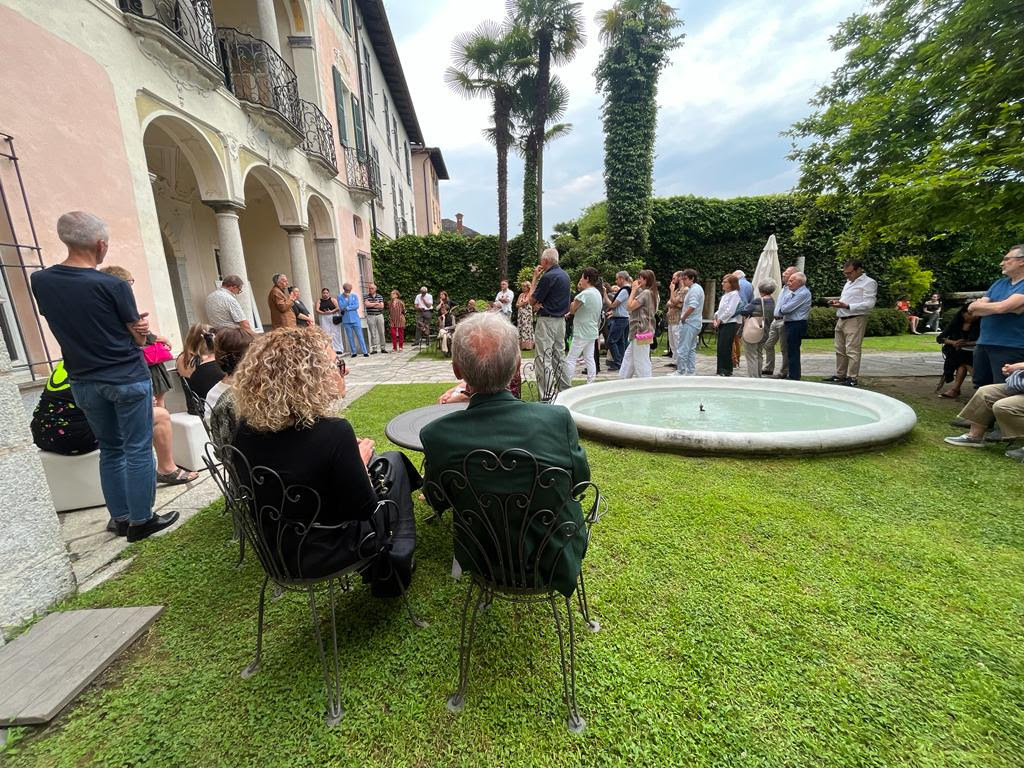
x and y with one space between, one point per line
74 480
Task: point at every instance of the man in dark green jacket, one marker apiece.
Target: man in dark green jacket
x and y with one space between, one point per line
534 534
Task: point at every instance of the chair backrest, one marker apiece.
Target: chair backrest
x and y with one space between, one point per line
516 522
194 404
281 520
552 383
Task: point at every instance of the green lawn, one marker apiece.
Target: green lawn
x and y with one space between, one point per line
847 611
907 342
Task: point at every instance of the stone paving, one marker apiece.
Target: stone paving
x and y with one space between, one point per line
96 554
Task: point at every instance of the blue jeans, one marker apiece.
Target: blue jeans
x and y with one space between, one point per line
686 349
989 361
353 332
121 417
795 331
618 330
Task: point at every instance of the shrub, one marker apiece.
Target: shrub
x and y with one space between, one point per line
821 323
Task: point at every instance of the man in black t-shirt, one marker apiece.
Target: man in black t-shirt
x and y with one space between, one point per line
94 319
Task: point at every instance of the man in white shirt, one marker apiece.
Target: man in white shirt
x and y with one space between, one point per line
424 303
857 299
504 297
586 311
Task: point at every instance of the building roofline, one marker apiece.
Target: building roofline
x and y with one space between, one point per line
378 29
436 159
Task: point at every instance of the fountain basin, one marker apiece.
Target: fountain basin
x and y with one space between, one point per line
741 416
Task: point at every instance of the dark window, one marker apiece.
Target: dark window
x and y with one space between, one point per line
387 117
357 125
339 106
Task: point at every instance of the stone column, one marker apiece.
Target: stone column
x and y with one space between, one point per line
300 266
232 257
268 23
327 259
36 570
710 296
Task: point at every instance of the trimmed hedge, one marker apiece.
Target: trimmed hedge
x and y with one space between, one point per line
821 323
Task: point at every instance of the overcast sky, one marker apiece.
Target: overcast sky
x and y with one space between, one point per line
745 72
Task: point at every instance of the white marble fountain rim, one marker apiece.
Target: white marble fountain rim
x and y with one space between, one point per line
895 418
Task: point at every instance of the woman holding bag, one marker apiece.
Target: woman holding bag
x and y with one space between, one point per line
642 306
330 320
759 314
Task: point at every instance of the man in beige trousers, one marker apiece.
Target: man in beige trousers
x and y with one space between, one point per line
857 299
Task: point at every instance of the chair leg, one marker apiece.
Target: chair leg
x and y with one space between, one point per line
332 682
575 723
416 620
581 594
254 665
458 699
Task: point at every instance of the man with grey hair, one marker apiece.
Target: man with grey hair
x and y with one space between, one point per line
100 332
550 295
794 308
485 353
776 335
222 307
1001 310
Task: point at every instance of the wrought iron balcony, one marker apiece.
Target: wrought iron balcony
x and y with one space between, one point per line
257 74
363 174
318 136
185 26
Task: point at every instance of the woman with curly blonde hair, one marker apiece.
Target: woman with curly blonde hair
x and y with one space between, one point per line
286 392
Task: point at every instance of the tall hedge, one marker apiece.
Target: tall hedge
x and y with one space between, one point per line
466 267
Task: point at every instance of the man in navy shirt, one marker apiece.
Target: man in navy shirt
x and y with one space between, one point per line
550 294
1002 325
94 319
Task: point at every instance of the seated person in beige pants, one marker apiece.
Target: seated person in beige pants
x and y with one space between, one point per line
1000 404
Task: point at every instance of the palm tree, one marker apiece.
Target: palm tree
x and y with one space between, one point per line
638 36
488 63
556 27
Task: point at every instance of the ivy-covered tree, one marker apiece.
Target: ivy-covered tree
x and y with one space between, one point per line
921 131
638 36
556 28
488 62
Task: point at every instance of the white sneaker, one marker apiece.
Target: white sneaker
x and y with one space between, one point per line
966 440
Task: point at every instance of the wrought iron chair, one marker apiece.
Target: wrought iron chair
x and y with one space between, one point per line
278 520
552 378
511 543
212 460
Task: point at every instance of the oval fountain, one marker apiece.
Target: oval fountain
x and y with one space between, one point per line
712 415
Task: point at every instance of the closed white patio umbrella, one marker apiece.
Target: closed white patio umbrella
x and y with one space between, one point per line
768 267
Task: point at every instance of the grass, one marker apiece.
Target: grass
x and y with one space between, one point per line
906 342
837 611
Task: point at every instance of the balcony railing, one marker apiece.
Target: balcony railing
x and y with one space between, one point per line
318 136
256 73
362 172
190 20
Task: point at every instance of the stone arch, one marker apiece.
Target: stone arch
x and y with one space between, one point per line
298 13
318 212
201 154
280 192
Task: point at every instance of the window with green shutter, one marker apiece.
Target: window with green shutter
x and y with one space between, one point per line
346 18
357 123
339 106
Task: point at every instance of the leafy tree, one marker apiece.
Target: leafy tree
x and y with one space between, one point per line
905 278
638 36
556 27
488 63
920 131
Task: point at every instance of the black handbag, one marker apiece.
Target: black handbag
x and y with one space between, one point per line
336 319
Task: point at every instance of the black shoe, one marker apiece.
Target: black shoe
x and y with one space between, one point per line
383 351
849 382
151 526
373 352
354 355
766 372
364 355
835 378
117 527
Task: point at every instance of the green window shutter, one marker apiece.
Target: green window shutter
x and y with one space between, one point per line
346 19
339 106
357 122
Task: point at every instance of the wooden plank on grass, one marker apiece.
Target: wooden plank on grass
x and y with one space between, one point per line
48 666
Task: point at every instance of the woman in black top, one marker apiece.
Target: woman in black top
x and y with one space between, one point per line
286 393
196 363
958 342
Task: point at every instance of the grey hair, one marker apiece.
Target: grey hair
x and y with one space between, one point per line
1018 249
276 277
791 270
232 281
485 349
78 229
623 273
766 286
740 274
800 276
551 254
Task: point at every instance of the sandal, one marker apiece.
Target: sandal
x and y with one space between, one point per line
178 477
